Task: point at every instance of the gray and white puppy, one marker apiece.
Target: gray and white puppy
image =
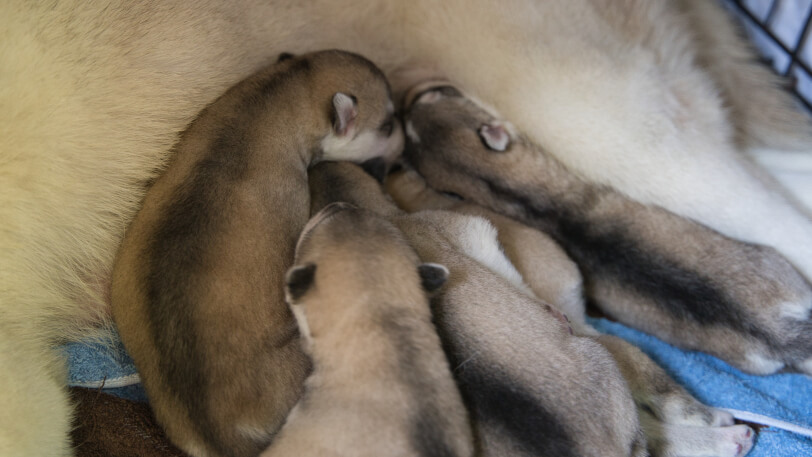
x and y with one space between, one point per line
643 265
381 384
197 290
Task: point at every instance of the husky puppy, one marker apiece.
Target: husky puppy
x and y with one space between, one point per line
669 415
658 98
197 284
381 385
516 357
645 266
545 267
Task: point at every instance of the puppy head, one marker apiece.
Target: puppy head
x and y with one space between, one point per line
356 103
458 146
347 257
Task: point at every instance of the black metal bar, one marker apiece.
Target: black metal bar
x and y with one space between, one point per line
771 13
793 54
799 44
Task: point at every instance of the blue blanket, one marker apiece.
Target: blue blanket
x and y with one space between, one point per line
773 399
782 401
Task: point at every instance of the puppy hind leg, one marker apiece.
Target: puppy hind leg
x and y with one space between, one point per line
656 392
670 440
675 423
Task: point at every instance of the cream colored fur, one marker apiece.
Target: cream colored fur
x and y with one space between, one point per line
95 93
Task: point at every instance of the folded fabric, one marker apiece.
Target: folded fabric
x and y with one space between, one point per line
783 402
104 366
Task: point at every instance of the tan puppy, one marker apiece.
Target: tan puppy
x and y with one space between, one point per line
544 266
643 265
532 387
513 357
381 385
675 423
197 285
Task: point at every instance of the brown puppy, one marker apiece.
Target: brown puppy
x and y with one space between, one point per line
644 266
381 385
197 286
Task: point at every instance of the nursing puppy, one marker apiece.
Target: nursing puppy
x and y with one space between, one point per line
674 422
532 387
197 284
381 385
544 266
659 98
643 265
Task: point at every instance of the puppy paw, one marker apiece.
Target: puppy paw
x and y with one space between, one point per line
670 440
681 408
734 441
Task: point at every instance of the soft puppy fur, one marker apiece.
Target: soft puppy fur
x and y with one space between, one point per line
643 265
381 385
197 284
534 388
657 97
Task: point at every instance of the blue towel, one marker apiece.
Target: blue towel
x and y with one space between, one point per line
785 397
108 367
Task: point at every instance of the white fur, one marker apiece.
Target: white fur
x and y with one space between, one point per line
688 441
301 320
806 366
798 310
365 145
410 131
477 238
761 364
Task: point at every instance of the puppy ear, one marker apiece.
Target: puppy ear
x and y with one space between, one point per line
284 56
345 110
495 137
432 276
298 281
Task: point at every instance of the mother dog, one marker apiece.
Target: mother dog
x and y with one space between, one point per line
654 97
